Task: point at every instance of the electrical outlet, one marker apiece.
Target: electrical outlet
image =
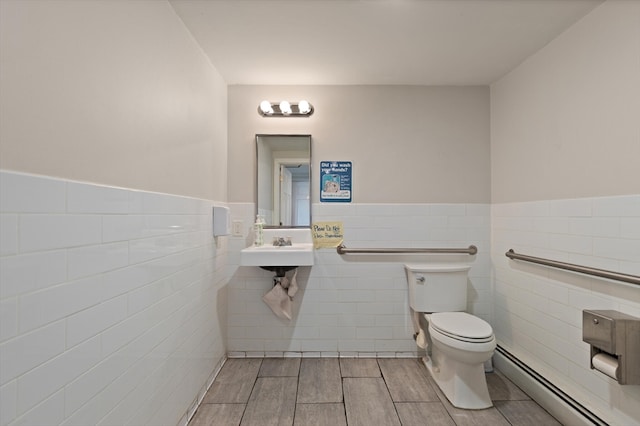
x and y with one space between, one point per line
237 226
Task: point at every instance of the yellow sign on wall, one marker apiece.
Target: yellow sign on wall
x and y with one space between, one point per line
327 234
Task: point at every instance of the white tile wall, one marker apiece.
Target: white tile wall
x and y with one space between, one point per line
355 308
538 310
108 303
109 297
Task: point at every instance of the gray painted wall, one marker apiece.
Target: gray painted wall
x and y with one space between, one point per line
408 144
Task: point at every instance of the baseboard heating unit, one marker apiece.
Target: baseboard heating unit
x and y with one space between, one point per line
563 407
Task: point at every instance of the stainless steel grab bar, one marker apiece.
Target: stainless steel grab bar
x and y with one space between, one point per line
341 249
602 273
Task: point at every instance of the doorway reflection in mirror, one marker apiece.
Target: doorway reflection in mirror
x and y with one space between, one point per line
284 187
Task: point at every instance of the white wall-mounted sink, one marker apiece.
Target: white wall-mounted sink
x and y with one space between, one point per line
300 253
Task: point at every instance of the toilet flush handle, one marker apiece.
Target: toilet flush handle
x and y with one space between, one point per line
420 279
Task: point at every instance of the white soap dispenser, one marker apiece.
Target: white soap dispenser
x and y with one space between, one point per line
258 237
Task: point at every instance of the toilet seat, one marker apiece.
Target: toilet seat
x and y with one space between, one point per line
462 326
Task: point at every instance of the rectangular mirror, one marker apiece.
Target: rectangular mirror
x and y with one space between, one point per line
284 180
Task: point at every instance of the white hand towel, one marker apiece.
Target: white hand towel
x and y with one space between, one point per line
293 285
279 302
284 282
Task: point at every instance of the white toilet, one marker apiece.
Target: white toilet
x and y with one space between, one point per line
459 343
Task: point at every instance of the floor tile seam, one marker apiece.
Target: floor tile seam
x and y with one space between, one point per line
360 377
246 405
384 378
428 402
223 403
339 377
277 375
416 401
506 419
385 386
342 375
395 409
298 385
295 401
511 399
320 403
344 409
252 393
536 404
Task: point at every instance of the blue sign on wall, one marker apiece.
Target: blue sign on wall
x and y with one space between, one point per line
335 181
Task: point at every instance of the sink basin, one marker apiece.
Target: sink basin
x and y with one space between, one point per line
268 248
295 255
300 253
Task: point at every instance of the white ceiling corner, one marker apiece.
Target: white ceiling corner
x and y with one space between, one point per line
409 42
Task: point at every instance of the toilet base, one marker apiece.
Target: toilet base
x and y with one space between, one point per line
464 385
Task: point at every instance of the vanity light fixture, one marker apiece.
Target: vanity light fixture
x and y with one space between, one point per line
285 109
304 107
265 108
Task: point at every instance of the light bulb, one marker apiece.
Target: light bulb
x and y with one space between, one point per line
265 107
304 107
285 107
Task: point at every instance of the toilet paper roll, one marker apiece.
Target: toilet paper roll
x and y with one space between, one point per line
606 364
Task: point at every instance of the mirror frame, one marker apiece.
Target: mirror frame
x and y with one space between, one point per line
257 182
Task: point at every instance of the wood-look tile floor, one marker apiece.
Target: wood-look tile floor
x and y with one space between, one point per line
351 391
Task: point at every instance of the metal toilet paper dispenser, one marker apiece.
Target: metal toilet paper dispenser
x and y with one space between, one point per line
615 344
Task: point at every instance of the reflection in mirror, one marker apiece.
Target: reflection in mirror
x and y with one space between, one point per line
284 180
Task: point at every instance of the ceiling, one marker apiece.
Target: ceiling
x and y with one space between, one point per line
410 42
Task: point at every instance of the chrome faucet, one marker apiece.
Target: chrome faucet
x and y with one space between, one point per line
280 241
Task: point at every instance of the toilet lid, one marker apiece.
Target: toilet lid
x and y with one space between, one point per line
462 326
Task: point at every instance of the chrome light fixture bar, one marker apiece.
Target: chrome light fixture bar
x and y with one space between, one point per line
285 109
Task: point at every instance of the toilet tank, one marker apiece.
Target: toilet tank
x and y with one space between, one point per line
438 287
